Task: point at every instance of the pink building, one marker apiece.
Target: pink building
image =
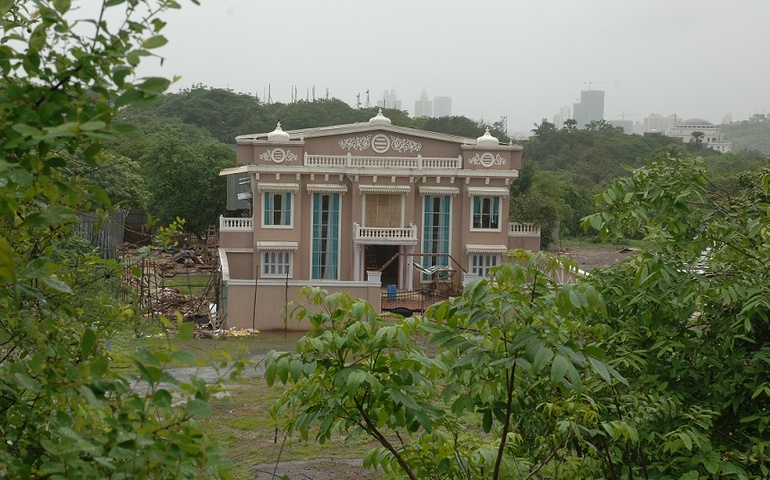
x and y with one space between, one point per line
361 207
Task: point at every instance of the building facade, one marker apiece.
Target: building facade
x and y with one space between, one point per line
590 108
711 137
361 207
442 107
424 106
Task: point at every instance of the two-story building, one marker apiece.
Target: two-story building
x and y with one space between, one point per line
361 207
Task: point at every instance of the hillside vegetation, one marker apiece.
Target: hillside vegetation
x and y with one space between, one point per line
748 137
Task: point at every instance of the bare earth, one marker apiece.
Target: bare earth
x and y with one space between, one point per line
589 257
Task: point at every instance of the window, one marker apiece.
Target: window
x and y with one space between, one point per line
435 231
277 209
486 213
325 236
277 264
480 264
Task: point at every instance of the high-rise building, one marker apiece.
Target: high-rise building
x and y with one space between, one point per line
564 114
390 100
590 108
442 106
659 123
423 107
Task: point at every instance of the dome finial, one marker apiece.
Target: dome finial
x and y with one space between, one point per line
487 140
379 119
278 135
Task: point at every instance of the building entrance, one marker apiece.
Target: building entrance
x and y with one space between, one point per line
377 256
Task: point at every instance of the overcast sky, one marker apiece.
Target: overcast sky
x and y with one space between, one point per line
521 59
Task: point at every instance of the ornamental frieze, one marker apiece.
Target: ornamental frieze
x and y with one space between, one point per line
356 143
278 155
486 159
380 143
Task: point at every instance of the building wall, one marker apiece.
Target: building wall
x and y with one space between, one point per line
386 167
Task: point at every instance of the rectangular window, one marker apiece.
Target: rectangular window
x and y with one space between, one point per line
486 213
277 209
277 264
325 236
435 231
481 263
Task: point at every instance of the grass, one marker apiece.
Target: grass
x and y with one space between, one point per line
242 425
188 284
240 422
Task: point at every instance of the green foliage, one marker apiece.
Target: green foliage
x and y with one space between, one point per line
65 412
183 180
691 314
507 388
748 137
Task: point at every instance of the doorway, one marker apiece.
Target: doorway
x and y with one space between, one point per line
377 256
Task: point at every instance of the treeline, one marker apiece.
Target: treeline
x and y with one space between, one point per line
170 160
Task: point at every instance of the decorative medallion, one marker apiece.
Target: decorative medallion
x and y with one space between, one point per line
278 155
380 143
486 159
356 143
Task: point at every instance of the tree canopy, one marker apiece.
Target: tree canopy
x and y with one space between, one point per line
66 411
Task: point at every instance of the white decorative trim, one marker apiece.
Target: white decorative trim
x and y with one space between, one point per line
404 144
380 143
355 143
278 187
488 191
475 248
277 246
278 155
486 159
403 189
438 190
326 188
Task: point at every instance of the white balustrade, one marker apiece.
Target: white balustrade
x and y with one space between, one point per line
516 229
384 233
352 161
236 224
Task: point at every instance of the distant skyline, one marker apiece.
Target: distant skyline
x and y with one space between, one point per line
522 60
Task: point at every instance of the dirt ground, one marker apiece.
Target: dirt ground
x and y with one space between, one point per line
318 469
589 257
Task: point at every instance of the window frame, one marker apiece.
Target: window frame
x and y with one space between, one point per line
492 217
332 226
479 264
288 264
269 212
429 240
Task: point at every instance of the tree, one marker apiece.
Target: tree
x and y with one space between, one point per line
692 315
603 126
183 179
696 140
66 413
512 360
570 125
543 129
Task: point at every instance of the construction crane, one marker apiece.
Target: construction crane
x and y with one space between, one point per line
591 83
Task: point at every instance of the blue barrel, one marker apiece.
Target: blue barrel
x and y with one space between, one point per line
392 293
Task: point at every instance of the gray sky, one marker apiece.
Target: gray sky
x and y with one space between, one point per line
521 59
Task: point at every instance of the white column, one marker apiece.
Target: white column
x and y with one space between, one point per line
409 267
357 262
